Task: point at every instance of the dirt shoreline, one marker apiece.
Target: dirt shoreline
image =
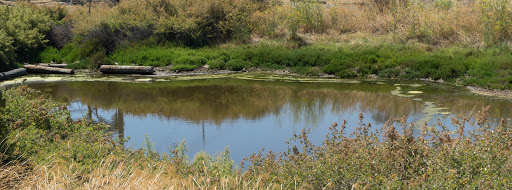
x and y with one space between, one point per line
507 94
166 72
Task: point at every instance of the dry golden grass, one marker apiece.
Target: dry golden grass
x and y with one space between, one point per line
113 174
11 174
417 21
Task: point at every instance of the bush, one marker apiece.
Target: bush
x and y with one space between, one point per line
51 54
22 33
7 55
217 64
105 37
60 35
99 59
190 60
37 127
237 64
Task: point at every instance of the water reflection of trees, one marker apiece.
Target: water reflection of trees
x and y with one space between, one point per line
224 99
232 99
116 122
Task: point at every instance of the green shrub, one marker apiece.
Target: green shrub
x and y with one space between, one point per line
51 54
334 67
190 60
22 33
37 127
99 59
71 53
237 64
151 56
217 64
7 55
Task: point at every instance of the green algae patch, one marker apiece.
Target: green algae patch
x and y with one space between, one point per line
398 92
415 92
430 110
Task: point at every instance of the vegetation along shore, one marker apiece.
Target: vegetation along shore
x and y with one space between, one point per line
463 42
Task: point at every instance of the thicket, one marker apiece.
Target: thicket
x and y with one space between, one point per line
54 152
23 32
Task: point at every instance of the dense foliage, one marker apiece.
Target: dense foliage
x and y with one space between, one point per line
23 30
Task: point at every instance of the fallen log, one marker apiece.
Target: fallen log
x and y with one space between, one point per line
48 70
13 73
53 65
122 69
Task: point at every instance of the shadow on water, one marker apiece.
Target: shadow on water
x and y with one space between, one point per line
249 115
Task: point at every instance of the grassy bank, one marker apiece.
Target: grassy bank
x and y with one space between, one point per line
488 67
44 148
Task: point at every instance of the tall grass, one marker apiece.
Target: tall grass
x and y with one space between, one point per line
443 22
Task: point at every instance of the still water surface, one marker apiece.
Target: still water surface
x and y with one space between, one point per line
248 113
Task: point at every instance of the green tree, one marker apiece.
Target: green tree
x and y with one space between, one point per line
23 31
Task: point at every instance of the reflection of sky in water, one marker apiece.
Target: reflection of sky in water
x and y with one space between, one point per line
243 136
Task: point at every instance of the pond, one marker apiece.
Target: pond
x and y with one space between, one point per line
251 112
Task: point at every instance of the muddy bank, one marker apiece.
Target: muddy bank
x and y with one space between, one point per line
165 71
491 92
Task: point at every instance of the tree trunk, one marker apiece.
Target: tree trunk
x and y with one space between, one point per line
13 73
48 70
118 69
53 65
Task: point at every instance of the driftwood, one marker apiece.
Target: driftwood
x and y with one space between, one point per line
48 70
53 65
121 69
13 73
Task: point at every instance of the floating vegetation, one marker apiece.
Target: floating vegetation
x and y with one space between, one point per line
415 92
398 92
431 110
415 85
144 80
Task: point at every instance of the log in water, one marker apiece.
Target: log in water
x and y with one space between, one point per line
118 69
53 65
13 73
48 70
